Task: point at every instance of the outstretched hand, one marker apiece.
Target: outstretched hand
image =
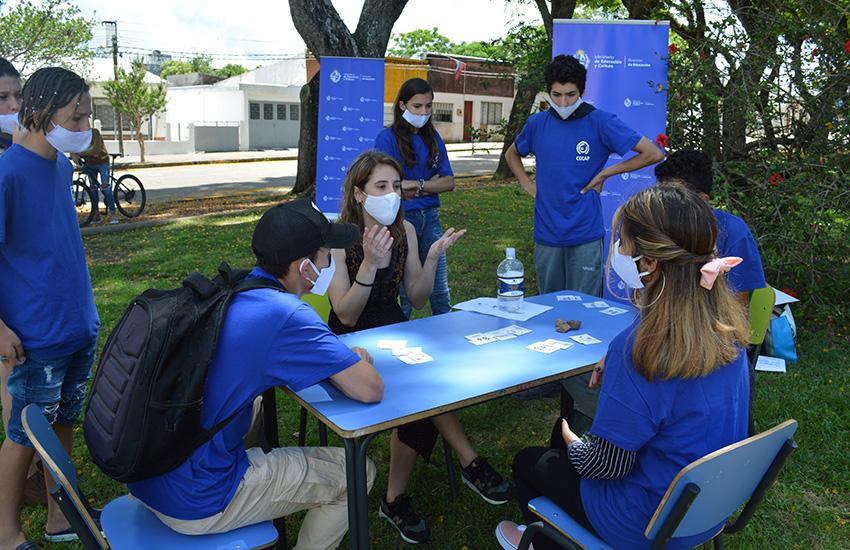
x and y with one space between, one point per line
445 242
377 245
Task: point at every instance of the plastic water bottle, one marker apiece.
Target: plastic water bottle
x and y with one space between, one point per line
511 277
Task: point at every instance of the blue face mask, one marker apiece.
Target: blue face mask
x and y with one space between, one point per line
626 267
66 141
564 112
9 123
417 121
323 280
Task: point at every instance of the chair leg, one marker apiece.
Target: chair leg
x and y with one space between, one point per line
323 434
540 528
450 469
718 542
302 428
752 356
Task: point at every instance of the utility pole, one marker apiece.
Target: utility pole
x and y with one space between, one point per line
117 114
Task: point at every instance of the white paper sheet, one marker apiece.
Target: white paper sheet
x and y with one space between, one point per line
489 306
770 364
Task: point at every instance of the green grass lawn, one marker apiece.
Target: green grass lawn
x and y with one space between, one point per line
809 507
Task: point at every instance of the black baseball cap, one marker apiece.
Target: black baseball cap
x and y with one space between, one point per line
297 229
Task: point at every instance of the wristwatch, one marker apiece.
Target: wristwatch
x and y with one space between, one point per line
421 187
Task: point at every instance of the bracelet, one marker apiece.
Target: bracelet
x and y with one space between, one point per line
421 187
363 284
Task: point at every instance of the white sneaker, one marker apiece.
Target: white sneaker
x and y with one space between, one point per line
113 219
507 530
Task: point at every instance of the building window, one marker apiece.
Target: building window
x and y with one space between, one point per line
281 111
294 113
491 113
268 111
255 111
443 112
103 111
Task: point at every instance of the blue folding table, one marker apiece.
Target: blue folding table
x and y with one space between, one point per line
460 375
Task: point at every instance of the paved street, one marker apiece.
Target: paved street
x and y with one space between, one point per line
172 182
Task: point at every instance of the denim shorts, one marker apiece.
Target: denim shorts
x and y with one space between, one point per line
57 386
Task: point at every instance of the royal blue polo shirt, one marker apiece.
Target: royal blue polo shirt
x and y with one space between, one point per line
568 154
46 294
734 238
669 424
386 142
269 338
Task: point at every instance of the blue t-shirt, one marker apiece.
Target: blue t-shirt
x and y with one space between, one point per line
569 153
735 239
669 423
46 296
387 143
269 338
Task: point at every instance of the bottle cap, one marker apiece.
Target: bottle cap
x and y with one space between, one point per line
510 253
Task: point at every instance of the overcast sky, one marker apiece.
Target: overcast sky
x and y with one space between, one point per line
225 27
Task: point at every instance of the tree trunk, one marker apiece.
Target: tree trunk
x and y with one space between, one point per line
305 180
141 139
523 101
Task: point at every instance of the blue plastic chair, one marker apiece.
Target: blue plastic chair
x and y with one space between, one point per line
125 521
703 494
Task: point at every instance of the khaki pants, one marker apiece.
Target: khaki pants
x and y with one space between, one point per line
284 481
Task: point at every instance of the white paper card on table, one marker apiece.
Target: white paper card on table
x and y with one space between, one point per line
476 335
770 364
585 339
601 304
406 351
542 347
516 330
568 298
614 311
589 305
560 344
416 358
489 306
483 339
392 344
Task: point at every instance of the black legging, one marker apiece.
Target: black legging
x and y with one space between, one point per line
538 471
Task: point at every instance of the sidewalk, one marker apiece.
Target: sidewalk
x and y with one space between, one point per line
158 161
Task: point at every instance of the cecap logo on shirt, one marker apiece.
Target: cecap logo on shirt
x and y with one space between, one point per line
583 150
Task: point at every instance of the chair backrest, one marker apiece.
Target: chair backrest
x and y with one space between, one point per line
726 479
322 305
59 464
761 304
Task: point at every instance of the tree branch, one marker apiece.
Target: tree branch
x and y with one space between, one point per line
322 28
375 26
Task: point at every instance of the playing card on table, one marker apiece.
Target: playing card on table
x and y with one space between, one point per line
568 298
516 330
600 304
501 334
476 335
406 351
483 339
542 347
614 311
560 344
392 344
589 305
416 358
585 339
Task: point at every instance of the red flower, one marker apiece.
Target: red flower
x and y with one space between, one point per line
701 55
847 47
661 140
816 52
775 179
789 292
672 48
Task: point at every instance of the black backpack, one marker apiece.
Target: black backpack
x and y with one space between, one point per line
143 417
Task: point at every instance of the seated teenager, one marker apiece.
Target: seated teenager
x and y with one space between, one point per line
674 386
364 294
271 338
694 170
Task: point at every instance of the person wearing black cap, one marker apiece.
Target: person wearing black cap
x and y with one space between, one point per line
271 338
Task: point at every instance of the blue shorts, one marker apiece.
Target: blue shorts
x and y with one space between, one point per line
57 386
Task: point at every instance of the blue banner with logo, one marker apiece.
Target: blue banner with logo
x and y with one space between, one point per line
351 114
626 65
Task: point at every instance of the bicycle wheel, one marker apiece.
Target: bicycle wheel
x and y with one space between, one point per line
83 201
130 195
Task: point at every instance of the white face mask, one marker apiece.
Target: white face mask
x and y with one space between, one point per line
323 281
384 208
626 267
67 141
9 123
417 121
564 112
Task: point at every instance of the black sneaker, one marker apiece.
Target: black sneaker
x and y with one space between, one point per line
411 526
484 480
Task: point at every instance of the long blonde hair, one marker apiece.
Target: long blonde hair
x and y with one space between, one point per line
357 176
685 330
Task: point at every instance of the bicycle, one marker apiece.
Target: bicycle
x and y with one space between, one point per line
129 193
